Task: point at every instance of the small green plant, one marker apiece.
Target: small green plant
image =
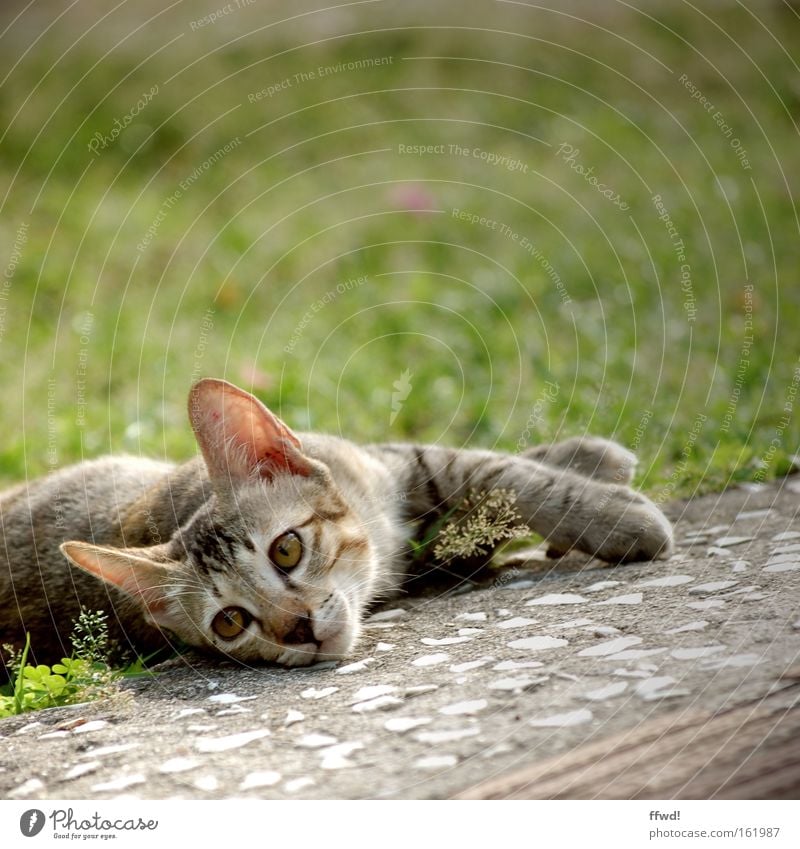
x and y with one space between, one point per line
478 525
83 677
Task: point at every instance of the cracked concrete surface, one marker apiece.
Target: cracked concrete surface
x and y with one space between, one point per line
451 689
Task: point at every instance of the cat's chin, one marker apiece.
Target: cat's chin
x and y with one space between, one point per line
334 648
303 655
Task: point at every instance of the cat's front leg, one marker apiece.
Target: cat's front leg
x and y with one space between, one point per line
590 456
608 521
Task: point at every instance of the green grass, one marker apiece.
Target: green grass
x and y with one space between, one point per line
317 193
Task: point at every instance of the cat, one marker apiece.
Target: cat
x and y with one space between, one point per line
270 546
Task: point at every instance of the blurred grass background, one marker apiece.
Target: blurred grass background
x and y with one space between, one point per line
217 232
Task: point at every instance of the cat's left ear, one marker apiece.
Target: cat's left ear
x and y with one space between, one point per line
132 570
239 437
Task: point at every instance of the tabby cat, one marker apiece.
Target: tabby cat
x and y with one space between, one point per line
271 545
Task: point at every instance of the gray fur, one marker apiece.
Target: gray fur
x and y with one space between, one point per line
177 543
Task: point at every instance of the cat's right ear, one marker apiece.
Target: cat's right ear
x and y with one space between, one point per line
135 572
239 437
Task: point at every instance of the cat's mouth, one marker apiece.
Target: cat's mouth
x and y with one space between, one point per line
310 653
334 647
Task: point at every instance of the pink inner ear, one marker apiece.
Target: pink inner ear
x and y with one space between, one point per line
136 575
239 436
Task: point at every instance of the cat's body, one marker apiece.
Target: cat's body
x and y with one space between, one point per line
271 546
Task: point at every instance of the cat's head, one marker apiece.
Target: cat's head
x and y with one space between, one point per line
275 566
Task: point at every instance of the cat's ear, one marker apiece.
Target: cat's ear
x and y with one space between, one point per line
130 570
239 437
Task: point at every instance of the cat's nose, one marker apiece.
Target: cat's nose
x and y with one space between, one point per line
300 632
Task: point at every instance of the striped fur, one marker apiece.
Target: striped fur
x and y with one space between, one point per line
164 548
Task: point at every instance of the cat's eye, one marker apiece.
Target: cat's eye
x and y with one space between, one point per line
230 622
286 551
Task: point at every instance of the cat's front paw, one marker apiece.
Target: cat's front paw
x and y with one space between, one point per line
642 532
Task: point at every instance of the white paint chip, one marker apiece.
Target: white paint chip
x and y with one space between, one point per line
658 688
563 720
791 566
436 762
81 769
727 542
668 581
538 643
417 689
599 586
712 587
708 604
401 724
737 661
379 703
510 665
478 616
110 750
121 783
755 514
436 737
470 664
229 698
785 536
293 716
88 727
388 615
615 688
632 673
786 549
32 785
431 659
179 765
335 757
694 653
315 741
572 623
208 783
516 622
610 647
298 784
783 558
313 693
232 741
696 625
358 666
382 647
444 641
556 598
635 654
468 708
233 710
518 684
263 778
366 693
631 598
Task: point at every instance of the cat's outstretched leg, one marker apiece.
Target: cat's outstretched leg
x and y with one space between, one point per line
592 456
607 520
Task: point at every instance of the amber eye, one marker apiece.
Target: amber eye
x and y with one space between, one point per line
230 622
286 551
